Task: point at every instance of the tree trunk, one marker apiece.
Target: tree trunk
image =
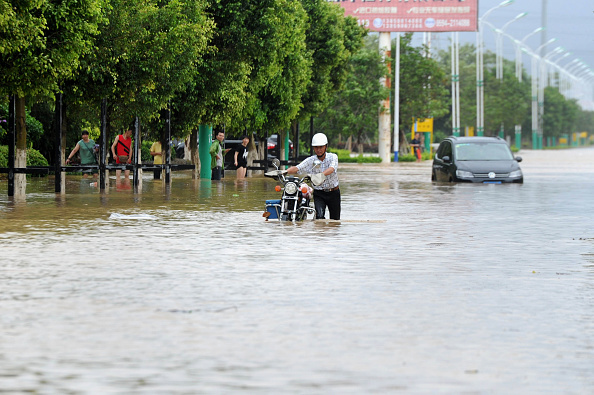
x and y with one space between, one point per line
360 144
20 160
252 155
349 144
194 154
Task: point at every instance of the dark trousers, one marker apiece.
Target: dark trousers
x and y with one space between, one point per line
330 199
216 173
157 174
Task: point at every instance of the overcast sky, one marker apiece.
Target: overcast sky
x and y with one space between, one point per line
571 22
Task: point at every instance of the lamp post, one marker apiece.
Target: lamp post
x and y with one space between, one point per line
480 92
499 45
534 90
564 78
519 45
555 65
542 82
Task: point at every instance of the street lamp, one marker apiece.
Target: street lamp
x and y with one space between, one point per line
480 93
499 45
555 65
519 45
541 87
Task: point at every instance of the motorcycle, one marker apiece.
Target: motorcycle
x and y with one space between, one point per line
295 203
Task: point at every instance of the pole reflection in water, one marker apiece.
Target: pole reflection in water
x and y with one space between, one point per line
447 288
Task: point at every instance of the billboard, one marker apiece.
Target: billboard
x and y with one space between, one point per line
413 15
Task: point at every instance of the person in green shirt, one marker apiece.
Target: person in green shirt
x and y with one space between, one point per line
217 155
86 149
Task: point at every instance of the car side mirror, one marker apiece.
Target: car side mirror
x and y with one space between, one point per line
446 158
518 158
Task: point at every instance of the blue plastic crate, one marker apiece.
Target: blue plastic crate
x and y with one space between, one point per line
272 209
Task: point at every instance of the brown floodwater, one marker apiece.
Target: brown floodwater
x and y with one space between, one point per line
424 288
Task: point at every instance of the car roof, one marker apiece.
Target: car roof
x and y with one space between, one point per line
476 139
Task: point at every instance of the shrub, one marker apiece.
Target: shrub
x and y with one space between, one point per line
145 151
3 156
34 157
360 159
344 156
407 158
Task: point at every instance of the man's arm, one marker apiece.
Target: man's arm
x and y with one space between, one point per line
333 165
328 171
115 143
293 170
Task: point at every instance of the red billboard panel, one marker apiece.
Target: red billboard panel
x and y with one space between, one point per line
414 15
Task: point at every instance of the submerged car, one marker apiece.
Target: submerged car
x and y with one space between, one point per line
476 159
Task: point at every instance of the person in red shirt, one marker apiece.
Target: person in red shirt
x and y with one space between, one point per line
121 150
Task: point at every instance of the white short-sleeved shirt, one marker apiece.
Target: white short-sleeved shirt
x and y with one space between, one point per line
331 160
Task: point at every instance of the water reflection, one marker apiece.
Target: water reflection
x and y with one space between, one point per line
424 287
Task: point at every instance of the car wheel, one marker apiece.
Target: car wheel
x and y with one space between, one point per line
433 177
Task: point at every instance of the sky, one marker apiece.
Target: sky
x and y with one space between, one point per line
570 22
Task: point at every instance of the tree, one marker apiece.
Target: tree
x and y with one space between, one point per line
467 77
146 52
353 111
560 114
507 101
423 85
332 39
43 45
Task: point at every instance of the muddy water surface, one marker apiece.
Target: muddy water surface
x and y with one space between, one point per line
424 288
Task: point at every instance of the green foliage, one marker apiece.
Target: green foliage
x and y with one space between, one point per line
41 43
34 157
412 158
560 114
332 40
344 156
362 159
353 111
341 153
145 151
146 52
278 103
407 158
423 85
34 127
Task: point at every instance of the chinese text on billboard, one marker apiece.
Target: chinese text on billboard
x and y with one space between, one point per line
413 15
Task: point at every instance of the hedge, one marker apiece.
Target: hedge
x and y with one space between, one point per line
34 157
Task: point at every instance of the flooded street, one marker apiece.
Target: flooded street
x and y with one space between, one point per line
424 288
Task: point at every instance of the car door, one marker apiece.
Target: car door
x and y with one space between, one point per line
448 162
440 167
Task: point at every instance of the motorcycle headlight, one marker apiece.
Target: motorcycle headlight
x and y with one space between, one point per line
464 174
515 174
290 188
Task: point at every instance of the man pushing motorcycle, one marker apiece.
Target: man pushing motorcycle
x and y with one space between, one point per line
326 193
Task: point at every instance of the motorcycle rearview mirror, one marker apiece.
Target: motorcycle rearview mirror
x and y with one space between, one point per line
276 163
317 163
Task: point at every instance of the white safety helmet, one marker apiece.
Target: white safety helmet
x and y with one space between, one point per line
319 139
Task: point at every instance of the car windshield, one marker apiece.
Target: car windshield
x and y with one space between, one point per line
483 151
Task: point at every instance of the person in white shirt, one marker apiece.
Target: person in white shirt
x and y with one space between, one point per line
326 194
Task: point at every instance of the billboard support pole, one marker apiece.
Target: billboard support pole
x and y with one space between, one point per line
397 98
384 114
